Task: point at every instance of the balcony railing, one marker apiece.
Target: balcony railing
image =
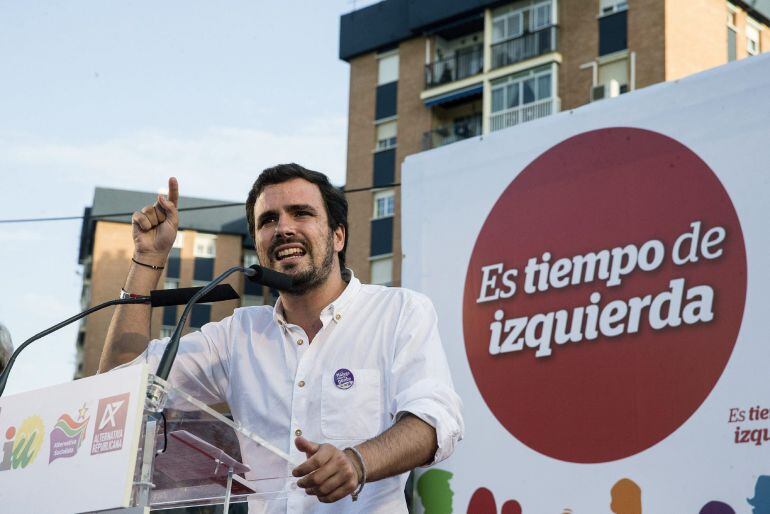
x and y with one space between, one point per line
463 64
523 113
451 134
524 47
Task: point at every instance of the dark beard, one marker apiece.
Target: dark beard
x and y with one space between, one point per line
314 277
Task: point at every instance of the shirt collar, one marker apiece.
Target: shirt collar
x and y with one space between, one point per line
333 311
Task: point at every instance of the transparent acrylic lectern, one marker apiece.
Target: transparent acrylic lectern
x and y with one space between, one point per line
190 454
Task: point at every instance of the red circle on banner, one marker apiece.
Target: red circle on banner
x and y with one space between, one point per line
607 395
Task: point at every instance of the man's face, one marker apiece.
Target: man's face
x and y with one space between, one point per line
293 235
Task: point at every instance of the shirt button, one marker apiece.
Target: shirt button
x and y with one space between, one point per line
338 317
300 341
298 432
301 383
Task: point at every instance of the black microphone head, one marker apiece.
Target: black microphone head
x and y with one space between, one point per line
182 295
270 278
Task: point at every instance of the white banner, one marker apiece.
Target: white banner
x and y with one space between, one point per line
72 447
601 281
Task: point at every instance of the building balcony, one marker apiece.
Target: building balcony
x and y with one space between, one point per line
450 134
464 63
523 113
524 47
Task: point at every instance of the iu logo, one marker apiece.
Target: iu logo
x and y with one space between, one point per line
111 424
22 444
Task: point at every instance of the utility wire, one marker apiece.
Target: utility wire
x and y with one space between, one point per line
182 209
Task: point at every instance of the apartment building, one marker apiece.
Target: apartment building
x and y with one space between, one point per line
210 240
429 73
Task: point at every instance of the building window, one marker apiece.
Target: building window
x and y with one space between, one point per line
732 53
541 16
387 68
384 173
179 241
252 291
612 6
508 26
382 271
169 321
613 32
508 23
752 38
174 263
521 89
386 101
522 97
203 269
613 72
382 237
250 258
205 246
200 315
732 15
384 204
386 135
85 295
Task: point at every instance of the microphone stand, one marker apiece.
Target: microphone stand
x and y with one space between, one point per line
7 370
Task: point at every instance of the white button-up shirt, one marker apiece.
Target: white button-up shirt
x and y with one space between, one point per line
279 385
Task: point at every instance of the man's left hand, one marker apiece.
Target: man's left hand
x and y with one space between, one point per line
328 472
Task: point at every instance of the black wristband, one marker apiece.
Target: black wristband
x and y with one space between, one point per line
151 266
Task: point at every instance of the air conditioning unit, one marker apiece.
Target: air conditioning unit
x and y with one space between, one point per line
608 90
597 92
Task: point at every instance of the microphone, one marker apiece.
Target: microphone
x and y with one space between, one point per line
255 272
182 295
268 277
157 298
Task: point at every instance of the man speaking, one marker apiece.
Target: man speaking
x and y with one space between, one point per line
353 376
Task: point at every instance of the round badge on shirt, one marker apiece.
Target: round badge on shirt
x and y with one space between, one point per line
343 378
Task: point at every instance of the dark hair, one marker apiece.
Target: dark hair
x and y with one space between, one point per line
334 200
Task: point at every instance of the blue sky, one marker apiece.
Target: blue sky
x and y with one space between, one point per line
124 94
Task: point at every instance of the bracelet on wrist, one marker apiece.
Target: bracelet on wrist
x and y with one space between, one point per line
151 266
362 481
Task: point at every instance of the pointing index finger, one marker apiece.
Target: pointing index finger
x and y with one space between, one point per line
173 191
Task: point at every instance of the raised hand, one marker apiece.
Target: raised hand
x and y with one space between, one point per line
328 472
155 227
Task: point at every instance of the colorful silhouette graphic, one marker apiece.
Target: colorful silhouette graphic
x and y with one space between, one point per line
761 500
626 497
435 493
716 507
482 502
511 507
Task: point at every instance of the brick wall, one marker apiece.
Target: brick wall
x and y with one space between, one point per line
696 36
646 37
361 135
578 44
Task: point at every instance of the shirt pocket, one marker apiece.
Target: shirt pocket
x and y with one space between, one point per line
352 413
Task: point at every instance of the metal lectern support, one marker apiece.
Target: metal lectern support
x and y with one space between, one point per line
229 489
